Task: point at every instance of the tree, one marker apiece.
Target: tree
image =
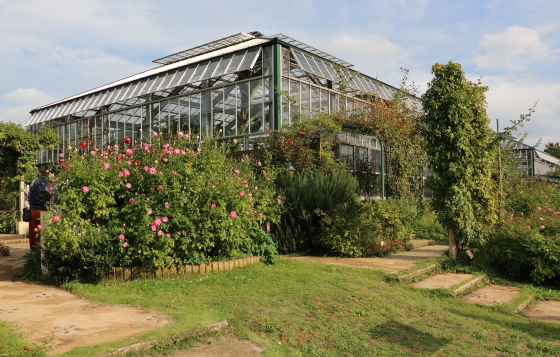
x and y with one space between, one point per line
553 149
18 156
460 146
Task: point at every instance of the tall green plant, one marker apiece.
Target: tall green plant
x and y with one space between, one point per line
460 149
307 195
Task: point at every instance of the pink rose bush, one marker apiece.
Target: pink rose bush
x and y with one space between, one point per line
167 211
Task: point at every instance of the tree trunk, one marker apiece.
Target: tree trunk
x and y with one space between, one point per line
452 242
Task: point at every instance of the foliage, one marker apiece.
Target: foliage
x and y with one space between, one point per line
155 205
395 124
7 223
364 229
18 156
553 149
308 144
460 146
307 194
263 246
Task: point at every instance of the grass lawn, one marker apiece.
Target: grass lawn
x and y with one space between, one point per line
310 309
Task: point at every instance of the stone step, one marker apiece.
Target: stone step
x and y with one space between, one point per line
11 237
14 241
417 243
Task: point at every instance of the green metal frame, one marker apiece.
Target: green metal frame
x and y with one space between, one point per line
277 79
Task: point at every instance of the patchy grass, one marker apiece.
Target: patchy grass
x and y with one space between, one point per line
298 308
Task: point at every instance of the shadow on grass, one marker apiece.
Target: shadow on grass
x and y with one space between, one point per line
533 328
408 337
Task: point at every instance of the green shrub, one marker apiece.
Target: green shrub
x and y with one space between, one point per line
155 205
364 229
7 223
306 195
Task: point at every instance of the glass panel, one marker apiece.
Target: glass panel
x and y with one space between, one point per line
315 100
165 82
285 61
295 93
184 114
324 101
146 123
174 116
333 103
232 68
361 83
257 97
323 68
195 114
199 72
223 66
313 65
368 83
210 70
177 79
155 84
230 98
268 99
305 99
285 104
249 59
155 116
243 108
145 87
138 87
267 61
206 109
302 62
218 111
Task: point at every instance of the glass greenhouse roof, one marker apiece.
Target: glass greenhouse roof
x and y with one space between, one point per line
219 58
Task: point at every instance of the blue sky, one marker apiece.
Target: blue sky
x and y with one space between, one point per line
52 49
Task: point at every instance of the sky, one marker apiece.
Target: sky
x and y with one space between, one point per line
52 49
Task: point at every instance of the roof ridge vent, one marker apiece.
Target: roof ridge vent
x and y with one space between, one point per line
208 47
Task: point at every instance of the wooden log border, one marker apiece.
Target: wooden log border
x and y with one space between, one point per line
128 273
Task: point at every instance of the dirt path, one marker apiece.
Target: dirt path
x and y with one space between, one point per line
43 311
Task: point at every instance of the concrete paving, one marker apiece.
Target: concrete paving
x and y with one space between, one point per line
393 264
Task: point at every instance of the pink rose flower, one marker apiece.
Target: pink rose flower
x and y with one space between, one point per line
106 166
279 200
241 193
177 151
256 188
129 163
154 227
233 214
56 218
126 173
168 235
165 159
165 219
541 227
149 212
160 187
131 201
39 227
260 215
153 170
174 172
120 174
121 237
157 222
129 151
85 189
259 163
128 185
159 233
236 171
212 206
146 168
154 133
125 244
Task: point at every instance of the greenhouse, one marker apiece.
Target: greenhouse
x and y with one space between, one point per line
225 89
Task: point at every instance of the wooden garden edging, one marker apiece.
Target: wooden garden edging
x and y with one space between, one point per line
130 272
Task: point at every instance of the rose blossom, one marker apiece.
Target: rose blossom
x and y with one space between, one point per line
165 219
131 201
126 173
160 187
56 218
212 206
233 214
241 193
120 174
128 185
125 244
153 170
85 189
159 233
157 222
121 237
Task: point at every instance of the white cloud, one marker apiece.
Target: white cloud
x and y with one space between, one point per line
21 101
512 49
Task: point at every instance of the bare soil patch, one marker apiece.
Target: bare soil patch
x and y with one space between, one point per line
224 347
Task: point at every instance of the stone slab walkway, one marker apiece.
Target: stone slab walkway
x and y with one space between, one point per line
442 281
491 295
393 264
544 311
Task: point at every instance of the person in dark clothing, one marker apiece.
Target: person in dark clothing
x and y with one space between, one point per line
38 197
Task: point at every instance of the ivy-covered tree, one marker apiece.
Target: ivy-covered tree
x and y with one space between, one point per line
460 146
18 156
